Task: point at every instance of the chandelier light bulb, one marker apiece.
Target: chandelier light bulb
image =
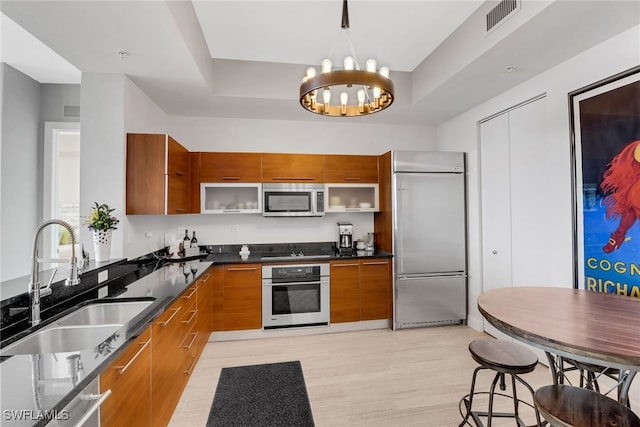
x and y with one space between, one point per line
376 97
371 65
384 71
326 65
311 72
348 63
361 100
326 98
344 98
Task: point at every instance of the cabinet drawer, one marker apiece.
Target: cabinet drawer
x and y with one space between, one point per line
128 375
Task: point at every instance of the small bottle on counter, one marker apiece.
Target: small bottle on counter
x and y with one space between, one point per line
194 241
186 242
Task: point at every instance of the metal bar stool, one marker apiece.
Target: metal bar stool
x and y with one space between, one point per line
504 358
571 406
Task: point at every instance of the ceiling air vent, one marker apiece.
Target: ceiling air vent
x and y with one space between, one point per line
502 10
71 111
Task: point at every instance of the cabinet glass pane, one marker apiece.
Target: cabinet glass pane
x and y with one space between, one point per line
234 198
352 198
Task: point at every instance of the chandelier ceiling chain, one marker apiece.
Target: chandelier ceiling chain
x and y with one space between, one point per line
347 81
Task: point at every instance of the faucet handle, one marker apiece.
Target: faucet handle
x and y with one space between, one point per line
47 289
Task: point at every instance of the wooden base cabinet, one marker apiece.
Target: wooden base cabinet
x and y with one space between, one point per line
375 289
236 297
345 291
129 379
360 290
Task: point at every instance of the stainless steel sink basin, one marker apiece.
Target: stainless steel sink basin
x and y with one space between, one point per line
61 339
118 313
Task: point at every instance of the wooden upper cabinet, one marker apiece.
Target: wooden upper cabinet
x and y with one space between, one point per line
292 167
351 169
230 167
145 174
159 177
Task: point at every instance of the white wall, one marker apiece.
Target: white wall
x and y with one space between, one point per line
460 134
20 179
102 151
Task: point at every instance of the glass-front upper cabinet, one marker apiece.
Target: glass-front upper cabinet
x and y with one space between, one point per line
218 198
351 198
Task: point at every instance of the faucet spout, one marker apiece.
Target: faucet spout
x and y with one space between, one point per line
34 283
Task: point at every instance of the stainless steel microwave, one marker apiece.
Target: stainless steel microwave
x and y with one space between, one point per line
293 199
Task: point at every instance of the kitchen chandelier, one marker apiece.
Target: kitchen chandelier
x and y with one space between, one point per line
372 88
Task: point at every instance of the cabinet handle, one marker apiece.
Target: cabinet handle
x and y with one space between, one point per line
122 369
344 265
242 269
188 347
290 178
180 210
231 210
180 173
204 278
175 311
193 362
193 291
100 400
231 178
351 179
191 318
376 263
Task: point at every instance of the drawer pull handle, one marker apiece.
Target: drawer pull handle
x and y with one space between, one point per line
290 178
242 269
204 278
188 347
175 311
351 179
344 265
376 263
193 363
230 178
193 291
191 318
122 369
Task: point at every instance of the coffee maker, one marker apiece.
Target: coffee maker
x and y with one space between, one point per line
345 238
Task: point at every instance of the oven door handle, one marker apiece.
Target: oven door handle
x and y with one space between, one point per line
315 282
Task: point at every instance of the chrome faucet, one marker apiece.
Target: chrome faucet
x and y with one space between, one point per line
34 285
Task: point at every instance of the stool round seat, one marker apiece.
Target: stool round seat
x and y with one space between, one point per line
570 406
503 356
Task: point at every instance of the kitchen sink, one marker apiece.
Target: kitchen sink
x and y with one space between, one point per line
61 339
105 313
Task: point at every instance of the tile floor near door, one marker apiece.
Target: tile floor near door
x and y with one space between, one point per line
412 377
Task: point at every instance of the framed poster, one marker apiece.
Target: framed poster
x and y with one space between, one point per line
605 122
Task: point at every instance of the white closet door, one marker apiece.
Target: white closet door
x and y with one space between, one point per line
496 211
535 237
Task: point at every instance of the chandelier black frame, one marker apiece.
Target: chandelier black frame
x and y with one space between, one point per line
376 93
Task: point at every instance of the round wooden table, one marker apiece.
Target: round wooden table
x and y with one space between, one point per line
585 326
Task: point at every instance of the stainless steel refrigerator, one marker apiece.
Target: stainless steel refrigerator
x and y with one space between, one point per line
429 243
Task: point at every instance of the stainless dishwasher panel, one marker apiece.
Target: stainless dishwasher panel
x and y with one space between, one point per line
84 409
423 300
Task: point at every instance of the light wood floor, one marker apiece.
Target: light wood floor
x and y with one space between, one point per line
410 377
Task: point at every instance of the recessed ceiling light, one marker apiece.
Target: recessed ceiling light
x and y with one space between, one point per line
510 69
123 53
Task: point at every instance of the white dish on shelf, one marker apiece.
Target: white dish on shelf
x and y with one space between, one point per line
365 205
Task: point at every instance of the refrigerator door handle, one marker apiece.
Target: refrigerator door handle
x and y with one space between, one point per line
430 276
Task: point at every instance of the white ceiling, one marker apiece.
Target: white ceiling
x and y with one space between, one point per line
246 58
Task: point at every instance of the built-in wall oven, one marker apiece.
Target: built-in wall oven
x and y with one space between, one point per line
295 295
